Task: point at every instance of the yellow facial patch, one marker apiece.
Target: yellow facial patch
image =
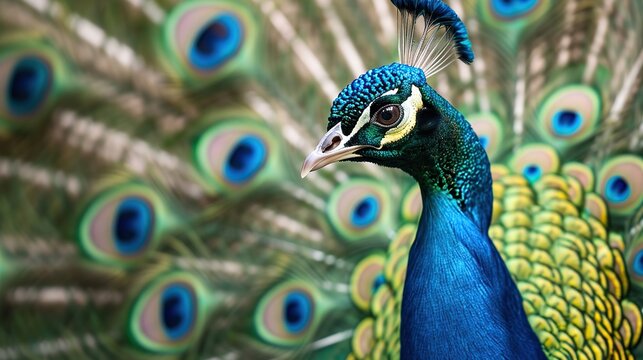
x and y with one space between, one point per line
411 107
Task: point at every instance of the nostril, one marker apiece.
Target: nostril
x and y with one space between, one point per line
331 143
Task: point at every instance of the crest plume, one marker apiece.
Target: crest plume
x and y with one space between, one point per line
431 35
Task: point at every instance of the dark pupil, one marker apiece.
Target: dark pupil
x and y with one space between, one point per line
293 312
23 83
126 225
207 41
363 208
240 156
532 169
379 281
620 186
568 118
387 114
172 315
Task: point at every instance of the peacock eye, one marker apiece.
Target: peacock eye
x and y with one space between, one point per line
388 115
168 314
288 314
122 224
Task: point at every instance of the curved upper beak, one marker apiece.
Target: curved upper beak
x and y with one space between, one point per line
331 148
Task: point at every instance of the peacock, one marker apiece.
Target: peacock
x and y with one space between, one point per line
152 203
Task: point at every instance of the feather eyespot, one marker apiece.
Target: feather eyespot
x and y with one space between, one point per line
204 42
534 161
513 8
122 224
388 115
216 42
514 14
288 314
32 76
569 115
367 277
235 153
358 209
620 183
28 85
168 314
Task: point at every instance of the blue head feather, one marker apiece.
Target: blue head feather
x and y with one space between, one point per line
441 14
350 103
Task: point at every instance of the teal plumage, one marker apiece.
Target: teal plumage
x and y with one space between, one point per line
151 204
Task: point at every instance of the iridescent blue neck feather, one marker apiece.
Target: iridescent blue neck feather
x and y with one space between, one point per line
459 298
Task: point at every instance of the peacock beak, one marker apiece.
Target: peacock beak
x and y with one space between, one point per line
331 148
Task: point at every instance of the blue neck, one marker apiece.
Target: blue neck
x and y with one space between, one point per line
459 299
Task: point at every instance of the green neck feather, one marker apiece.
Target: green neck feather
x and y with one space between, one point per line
450 159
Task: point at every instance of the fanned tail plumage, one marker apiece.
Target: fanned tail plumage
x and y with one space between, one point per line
151 204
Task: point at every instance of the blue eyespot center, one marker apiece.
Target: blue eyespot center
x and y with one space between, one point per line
532 172
365 212
245 160
28 85
617 189
567 122
378 281
513 8
637 264
132 227
177 311
484 141
297 311
217 42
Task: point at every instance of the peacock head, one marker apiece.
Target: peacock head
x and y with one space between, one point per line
389 116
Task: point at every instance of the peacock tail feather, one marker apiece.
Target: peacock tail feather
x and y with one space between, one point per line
151 205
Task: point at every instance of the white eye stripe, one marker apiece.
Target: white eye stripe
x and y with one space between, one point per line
406 125
365 118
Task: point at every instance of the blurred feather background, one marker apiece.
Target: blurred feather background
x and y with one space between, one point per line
150 199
